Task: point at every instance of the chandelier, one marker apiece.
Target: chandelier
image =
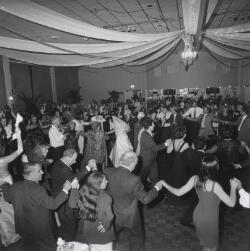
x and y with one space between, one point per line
189 54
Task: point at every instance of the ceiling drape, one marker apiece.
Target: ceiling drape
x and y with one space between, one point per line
112 47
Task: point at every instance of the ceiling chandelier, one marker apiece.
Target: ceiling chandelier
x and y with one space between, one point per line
189 53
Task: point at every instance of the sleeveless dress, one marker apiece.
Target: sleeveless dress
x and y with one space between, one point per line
179 176
206 218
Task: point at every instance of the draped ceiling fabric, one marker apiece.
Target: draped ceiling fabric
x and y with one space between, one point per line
119 48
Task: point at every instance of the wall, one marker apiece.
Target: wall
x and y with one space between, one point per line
21 82
96 83
66 80
171 74
203 73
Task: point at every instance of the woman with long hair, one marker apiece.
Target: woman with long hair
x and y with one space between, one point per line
210 194
94 208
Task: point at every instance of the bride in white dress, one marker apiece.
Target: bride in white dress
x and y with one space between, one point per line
122 142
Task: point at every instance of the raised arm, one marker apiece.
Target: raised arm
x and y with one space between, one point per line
14 155
182 190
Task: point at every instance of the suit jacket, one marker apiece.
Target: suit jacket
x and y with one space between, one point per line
126 189
60 172
149 149
31 207
243 134
178 120
193 160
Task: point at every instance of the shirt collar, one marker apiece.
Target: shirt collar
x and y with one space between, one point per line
66 164
88 168
150 132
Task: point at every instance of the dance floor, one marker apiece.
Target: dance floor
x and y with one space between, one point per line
165 233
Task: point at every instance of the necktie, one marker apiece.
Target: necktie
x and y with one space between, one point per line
195 112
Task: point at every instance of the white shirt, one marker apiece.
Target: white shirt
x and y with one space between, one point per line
244 198
56 137
194 112
241 122
8 130
160 115
167 116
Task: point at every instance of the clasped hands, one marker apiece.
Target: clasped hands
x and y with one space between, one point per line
160 184
71 185
235 183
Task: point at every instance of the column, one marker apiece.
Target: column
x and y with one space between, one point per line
145 86
7 80
240 85
53 83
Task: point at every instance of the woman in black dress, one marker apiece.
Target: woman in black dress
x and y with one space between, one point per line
210 193
179 174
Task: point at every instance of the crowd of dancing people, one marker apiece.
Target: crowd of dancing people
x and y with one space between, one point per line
79 173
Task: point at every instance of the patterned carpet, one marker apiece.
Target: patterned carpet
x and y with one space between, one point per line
165 233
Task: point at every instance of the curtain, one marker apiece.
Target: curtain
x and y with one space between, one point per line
115 48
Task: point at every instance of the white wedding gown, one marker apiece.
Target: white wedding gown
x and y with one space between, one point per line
122 143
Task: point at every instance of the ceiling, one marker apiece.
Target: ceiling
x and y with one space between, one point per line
140 16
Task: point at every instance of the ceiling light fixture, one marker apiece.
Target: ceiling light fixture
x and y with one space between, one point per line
189 54
54 37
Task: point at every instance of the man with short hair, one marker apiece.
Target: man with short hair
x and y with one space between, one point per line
148 152
244 124
193 115
127 190
32 207
56 138
61 171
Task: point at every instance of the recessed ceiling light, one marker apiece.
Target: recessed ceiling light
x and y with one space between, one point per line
54 37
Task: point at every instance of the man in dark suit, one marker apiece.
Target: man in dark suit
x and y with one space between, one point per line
175 120
148 152
32 207
126 190
193 158
60 172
